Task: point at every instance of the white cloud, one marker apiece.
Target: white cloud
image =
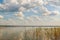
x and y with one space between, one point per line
23 5
45 3
19 14
22 9
47 13
14 1
35 11
40 2
22 2
1 17
8 22
56 12
2 6
33 19
17 5
10 1
54 2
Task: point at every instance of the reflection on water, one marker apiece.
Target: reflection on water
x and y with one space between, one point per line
29 33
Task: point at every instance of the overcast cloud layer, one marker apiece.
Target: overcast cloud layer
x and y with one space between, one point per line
30 12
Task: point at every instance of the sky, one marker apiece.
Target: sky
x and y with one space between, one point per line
1 1
30 12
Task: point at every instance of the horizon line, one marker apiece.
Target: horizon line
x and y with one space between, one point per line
29 25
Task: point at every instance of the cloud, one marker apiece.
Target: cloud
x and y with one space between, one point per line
20 6
45 3
52 13
10 1
9 6
20 15
55 12
22 9
2 7
8 22
33 20
15 5
54 2
35 11
1 17
40 2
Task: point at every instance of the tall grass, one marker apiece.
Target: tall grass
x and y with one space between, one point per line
32 34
